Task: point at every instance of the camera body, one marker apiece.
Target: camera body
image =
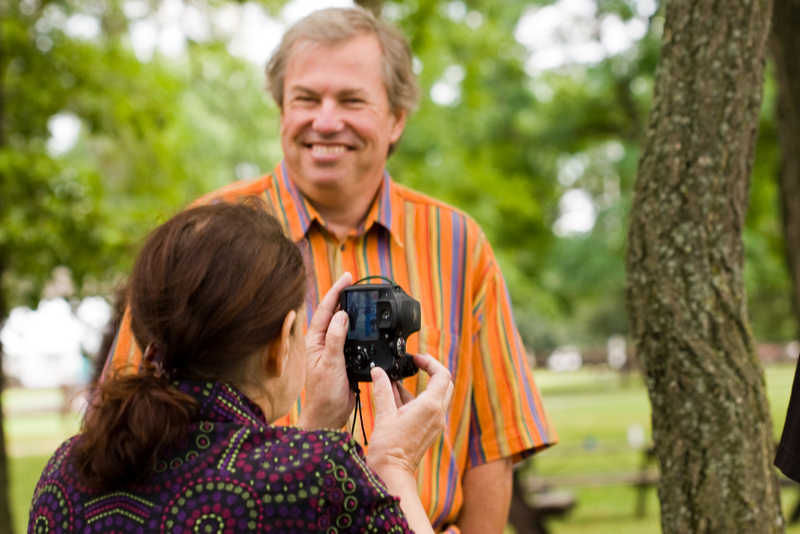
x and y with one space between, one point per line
381 316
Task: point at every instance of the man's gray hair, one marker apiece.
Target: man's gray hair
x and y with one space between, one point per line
334 26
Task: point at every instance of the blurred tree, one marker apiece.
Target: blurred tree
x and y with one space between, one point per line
5 505
766 276
505 142
373 5
711 421
140 143
784 43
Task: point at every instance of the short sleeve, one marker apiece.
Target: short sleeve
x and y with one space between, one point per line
353 498
508 418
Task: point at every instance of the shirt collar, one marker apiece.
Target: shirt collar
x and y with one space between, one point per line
222 402
384 211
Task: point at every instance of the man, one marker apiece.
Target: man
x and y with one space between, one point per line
345 86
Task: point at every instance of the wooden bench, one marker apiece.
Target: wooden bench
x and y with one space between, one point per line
530 510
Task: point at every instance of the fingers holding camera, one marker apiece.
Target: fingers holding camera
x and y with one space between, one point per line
405 428
403 396
328 398
440 387
324 312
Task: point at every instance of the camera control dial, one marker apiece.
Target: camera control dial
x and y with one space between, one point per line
357 358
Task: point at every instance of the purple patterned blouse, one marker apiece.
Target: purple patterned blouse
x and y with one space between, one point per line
233 473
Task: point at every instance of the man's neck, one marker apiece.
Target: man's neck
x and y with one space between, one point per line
343 214
343 217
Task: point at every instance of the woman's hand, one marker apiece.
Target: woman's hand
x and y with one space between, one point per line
405 427
328 397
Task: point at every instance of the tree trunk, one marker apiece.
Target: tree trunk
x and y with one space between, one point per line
5 508
785 44
686 299
373 5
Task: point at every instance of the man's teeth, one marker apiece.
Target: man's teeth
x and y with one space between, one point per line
328 149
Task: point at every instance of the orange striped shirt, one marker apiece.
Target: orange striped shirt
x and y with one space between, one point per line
441 257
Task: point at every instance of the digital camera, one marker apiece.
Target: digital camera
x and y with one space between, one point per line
381 316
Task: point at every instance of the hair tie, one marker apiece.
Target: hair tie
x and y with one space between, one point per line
153 359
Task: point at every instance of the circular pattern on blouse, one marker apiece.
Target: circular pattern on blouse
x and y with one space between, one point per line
52 510
228 475
213 506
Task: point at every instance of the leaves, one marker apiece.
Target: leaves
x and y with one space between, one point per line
499 141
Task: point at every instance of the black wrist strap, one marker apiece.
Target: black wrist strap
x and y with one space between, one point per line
359 412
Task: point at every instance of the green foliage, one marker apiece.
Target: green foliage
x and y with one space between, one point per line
766 276
507 145
54 208
154 136
503 151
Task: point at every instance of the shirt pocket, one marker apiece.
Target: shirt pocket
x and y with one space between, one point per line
442 345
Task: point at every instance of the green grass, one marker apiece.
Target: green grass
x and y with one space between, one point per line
25 472
33 432
592 410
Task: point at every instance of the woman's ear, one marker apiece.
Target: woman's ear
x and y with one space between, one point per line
279 349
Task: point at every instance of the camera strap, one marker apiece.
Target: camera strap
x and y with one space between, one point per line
359 412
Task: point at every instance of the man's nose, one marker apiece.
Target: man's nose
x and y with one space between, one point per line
328 119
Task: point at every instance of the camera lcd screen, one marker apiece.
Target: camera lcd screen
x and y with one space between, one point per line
363 315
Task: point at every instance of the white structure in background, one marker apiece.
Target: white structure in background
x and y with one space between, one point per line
565 358
637 438
617 357
44 348
793 350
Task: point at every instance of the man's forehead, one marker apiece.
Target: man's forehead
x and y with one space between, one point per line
308 45
307 67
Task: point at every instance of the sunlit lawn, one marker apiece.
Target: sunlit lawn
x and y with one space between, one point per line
593 410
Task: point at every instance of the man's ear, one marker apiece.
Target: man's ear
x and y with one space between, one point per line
278 350
398 125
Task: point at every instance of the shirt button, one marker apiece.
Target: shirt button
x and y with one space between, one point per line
342 248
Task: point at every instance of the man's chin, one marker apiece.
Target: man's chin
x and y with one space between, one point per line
327 180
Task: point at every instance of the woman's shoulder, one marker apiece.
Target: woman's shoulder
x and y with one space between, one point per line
57 461
310 445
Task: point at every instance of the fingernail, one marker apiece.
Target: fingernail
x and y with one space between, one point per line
340 317
375 373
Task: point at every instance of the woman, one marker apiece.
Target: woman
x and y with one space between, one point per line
186 445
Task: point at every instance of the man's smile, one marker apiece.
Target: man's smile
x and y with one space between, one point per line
327 150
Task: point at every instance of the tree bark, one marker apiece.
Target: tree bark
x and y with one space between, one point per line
785 44
686 299
5 508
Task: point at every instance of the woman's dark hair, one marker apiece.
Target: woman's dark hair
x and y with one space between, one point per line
210 288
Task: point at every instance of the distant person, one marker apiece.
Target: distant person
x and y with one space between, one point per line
368 315
787 458
189 442
352 313
345 85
